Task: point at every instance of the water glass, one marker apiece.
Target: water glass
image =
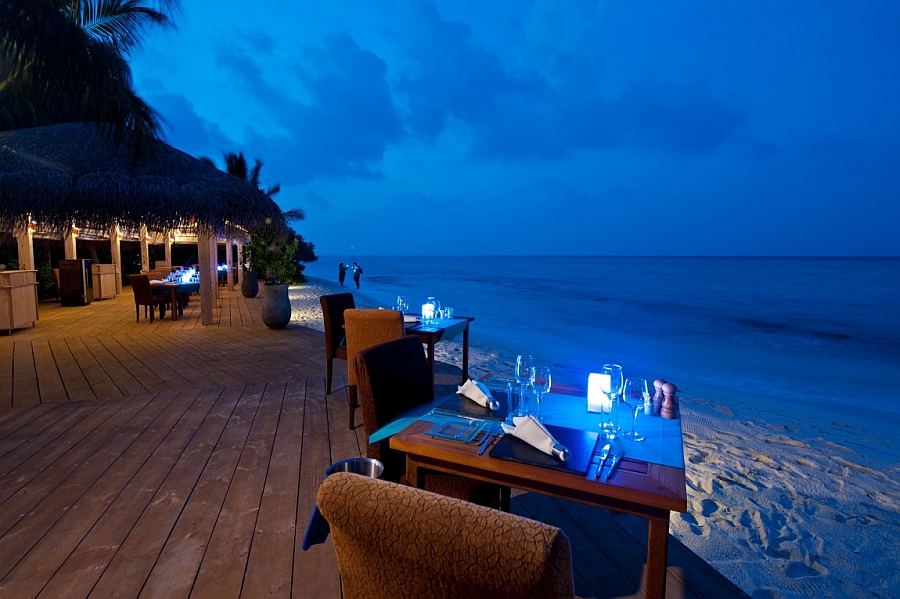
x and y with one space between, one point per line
634 396
512 403
524 364
448 312
540 382
611 388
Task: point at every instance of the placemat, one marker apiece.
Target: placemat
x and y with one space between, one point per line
580 444
460 404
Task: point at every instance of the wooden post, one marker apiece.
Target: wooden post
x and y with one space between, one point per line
69 242
115 246
229 262
145 249
240 259
206 252
25 241
168 249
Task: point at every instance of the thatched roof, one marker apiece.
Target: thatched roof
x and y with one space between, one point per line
69 173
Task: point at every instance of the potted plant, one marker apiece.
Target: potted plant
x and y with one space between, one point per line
271 258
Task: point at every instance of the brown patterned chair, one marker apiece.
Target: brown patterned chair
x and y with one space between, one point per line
393 377
396 541
365 328
333 307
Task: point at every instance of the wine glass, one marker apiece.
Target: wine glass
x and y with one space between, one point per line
540 383
524 363
634 396
611 386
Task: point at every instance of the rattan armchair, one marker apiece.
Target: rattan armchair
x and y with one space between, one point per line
365 328
396 541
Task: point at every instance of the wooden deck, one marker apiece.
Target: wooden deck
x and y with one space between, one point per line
177 460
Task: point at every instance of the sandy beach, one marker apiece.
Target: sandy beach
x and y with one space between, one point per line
784 503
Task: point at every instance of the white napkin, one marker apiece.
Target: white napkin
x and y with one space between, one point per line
530 430
479 393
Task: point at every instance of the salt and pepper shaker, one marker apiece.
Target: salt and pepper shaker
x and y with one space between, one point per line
657 395
669 407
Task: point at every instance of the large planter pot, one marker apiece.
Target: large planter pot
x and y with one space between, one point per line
276 307
249 285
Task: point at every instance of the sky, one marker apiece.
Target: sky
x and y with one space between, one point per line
550 127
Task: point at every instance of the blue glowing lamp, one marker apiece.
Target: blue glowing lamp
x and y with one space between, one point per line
597 399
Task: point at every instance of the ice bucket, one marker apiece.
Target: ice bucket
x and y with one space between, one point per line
366 466
317 529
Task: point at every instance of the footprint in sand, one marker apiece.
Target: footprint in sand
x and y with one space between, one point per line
708 507
698 457
697 528
800 570
784 441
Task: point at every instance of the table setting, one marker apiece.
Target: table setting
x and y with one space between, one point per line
567 446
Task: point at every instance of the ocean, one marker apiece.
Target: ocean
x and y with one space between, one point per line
803 331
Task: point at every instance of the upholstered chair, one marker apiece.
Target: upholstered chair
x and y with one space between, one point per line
392 541
365 328
333 307
143 296
393 377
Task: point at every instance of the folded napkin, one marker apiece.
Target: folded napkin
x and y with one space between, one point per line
479 393
530 430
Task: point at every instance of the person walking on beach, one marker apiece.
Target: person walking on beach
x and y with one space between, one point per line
342 273
357 271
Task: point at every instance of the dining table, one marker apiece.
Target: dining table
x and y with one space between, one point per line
441 329
179 292
648 481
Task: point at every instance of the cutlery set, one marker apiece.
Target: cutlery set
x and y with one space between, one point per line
613 464
486 440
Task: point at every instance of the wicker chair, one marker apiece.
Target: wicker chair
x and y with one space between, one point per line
143 296
333 307
393 377
365 328
396 541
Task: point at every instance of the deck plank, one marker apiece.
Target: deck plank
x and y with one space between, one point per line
221 570
79 501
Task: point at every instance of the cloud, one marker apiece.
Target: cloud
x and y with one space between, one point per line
679 116
551 109
196 135
338 124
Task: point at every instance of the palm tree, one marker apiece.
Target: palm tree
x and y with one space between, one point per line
236 165
65 61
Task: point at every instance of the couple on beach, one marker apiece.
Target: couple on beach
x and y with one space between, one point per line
342 273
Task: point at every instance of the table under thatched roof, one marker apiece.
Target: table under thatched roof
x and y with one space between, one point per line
61 174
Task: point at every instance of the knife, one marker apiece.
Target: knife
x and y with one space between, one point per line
604 453
612 465
487 438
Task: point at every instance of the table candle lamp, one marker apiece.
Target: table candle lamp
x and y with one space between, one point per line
427 312
597 399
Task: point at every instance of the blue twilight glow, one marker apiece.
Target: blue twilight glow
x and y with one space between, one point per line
581 127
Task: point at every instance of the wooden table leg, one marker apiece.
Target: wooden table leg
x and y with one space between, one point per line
431 356
412 473
657 556
174 306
